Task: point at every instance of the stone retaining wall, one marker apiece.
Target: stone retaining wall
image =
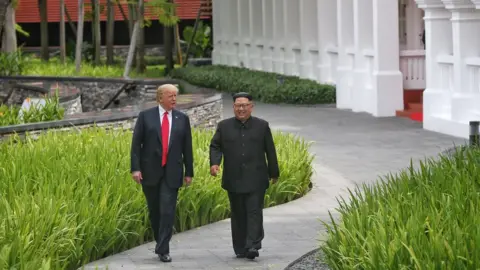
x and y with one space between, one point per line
73 106
204 114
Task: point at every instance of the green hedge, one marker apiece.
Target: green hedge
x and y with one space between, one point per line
68 198
419 219
262 85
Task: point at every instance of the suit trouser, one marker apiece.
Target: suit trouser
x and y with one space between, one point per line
161 202
247 220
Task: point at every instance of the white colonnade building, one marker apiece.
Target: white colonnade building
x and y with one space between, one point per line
372 50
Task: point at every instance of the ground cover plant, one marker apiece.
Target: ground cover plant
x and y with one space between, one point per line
67 198
33 66
418 219
264 86
15 115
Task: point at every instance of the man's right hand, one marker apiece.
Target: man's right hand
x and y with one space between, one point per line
137 176
214 170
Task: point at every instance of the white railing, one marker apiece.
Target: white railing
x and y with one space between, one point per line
446 72
412 66
473 65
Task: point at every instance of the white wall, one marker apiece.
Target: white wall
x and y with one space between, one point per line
351 43
452 95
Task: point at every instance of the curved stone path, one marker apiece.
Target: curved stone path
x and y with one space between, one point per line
349 147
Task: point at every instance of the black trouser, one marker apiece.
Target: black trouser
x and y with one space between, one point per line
246 220
161 202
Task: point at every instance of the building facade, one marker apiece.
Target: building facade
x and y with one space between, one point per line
414 58
28 12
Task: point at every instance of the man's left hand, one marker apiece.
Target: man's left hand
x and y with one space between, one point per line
188 181
274 180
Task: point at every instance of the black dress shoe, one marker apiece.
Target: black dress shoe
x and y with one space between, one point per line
165 257
241 255
252 253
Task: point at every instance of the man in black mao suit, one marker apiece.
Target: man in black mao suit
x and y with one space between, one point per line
244 141
161 147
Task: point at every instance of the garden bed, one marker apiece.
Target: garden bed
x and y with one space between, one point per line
53 218
416 219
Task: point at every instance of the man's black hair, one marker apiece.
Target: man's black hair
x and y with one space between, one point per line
242 95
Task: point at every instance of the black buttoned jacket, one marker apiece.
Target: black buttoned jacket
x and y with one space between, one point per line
249 155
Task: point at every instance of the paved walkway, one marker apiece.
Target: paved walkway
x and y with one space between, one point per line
349 147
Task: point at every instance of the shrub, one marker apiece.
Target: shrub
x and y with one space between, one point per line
67 198
419 219
11 63
15 115
264 86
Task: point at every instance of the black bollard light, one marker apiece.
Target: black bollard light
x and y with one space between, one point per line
474 133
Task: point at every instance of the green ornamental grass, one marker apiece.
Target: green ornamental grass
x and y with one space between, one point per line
419 219
67 198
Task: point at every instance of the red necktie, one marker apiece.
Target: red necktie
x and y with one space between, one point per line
165 131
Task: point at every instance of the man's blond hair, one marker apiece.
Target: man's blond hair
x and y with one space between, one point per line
165 87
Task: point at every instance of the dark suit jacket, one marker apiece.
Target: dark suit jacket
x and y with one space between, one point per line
243 147
146 151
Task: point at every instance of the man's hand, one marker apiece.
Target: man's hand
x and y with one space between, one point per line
214 170
274 180
137 176
188 181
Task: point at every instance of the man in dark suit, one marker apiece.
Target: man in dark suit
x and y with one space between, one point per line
161 147
243 141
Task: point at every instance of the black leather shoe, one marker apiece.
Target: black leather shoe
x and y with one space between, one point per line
241 255
252 253
165 257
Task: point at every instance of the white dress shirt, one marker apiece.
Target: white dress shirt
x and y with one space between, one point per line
162 111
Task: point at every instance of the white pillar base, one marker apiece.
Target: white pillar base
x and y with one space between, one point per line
344 90
267 63
387 93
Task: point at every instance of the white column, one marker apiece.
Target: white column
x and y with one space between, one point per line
256 45
414 26
268 35
388 82
308 38
363 41
244 32
326 39
438 40
345 57
291 14
217 32
279 36
466 44
233 33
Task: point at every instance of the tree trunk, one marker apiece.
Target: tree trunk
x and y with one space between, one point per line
141 42
125 19
168 36
168 48
44 29
133 41
9 43
132 20
98 34
70 22
110 31
78 48
63 49
3 10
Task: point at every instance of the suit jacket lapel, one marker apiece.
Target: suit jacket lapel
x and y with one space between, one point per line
156 118
174 127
